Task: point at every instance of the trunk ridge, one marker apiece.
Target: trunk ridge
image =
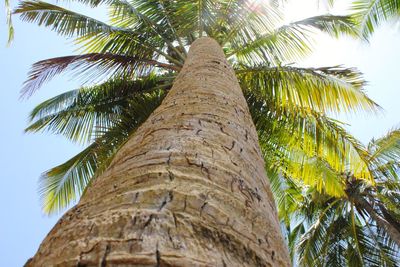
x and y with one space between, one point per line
187 189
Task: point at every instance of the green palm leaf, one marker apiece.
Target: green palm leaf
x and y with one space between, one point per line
63 184
369 14
59 186
61 20
365 222
291 41
331 89
387 147
69 23
313 243
82 115
92 67
385 155
247 19
144 13
309 146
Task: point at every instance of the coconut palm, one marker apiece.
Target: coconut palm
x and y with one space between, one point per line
358 229
133 62
131 67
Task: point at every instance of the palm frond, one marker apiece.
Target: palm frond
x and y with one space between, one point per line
247 19
313 243
91 67
80 115
63 184
333 25
359 237
86 29
330 89
288 194
339 235
145 13
61 20
95 3
172 24
387 147
308 145
382 251
369 14
314 171
385 156
292 41
59 186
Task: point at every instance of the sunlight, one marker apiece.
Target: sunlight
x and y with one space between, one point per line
297 10
280 108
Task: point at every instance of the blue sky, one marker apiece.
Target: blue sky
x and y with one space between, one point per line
24 156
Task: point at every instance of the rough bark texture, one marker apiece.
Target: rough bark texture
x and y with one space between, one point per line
188 188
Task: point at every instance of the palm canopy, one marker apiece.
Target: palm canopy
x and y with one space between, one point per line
131 62
359 228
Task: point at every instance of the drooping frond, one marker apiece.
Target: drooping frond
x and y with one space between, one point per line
95 3
387 147
246 20
82 115
382 251
91 67
309 146
291 41
61 20
63 184
331 89
150 15
288 194
289 197
385 156
333 25
369 14
340 236
314 171
352 229
312 245
59 186
89 30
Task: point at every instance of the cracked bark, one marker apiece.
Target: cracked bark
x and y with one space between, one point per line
188 189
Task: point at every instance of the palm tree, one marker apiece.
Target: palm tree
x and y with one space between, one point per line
293 95
360 228
135 60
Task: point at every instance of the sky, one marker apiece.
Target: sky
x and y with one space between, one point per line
378 60
24 157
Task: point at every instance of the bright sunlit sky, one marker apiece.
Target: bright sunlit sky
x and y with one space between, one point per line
24 156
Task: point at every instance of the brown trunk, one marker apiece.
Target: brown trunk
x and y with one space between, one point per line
188 188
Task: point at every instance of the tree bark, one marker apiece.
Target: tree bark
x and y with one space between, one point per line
187 189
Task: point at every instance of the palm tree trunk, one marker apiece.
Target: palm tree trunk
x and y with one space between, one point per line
187 189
